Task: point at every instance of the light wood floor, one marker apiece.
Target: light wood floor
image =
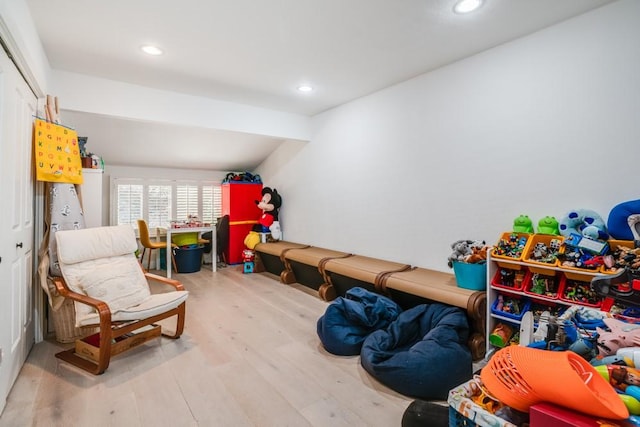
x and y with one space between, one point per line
250 356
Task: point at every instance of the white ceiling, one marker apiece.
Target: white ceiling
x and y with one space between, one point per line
257 52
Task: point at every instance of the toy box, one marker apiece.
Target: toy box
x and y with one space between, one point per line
543 249
614 249
544 286
509 278
510 306
511 246
549 415
465 412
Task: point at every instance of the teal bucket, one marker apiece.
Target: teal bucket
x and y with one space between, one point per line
471 276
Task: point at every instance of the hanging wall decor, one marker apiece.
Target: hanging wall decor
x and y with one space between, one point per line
56 153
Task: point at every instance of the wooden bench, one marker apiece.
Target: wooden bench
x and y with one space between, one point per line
332 273
270 256
346 273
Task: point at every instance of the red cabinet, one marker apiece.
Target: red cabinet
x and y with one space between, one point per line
238 201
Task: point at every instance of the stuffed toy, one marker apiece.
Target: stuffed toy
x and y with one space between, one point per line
583 222
548 225
522 224
623 220
270 205
463 249
619 334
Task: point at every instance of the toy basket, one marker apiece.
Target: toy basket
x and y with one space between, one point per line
509 278
546 240
523 305
614 246
553 285
465 412
569 290
518 241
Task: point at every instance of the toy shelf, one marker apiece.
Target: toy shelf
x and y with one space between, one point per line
493 264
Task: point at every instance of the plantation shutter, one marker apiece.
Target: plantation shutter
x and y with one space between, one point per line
130 203
159 205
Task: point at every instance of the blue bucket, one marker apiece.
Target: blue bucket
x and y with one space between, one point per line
471 276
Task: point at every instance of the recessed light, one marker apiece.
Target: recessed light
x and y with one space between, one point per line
466 6
305 88
152 50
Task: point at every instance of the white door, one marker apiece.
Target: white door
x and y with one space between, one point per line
18 105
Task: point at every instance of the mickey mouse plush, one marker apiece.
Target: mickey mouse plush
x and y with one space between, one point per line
270 205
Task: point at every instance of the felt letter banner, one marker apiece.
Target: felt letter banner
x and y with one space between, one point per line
56 153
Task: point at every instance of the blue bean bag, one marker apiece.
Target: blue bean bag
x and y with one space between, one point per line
349 319
423 353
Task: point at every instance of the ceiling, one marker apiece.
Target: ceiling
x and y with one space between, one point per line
257 52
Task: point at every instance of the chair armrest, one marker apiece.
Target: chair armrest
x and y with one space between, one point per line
100 306
171 282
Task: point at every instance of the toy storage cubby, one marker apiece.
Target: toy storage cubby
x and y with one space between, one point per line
551 277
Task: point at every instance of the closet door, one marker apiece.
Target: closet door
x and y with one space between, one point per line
18 105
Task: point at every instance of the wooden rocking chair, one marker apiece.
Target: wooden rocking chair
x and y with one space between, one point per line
110 289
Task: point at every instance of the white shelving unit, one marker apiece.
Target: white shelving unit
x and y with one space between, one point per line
493 291
91 189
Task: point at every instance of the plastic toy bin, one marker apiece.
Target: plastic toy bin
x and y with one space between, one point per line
546 240
189 258
520 240
506 300
551 283
510 278
465 412
571 281
471 276
614 246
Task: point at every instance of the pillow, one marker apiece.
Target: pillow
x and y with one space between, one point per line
121 284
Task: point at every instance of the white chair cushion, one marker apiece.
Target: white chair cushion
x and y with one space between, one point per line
155 304
121 284
94 243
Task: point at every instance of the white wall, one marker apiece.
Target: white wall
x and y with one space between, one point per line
539 126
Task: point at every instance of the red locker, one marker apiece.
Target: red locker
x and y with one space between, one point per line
238 201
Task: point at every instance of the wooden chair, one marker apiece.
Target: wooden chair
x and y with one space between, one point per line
110 289
146 243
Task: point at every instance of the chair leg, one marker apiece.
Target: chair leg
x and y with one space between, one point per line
180 311
149 259
173 261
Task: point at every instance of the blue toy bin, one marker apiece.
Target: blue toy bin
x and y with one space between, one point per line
471 276
188 258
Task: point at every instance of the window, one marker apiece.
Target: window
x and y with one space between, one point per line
130 203
159 202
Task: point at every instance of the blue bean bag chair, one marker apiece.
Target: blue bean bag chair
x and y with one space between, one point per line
423 353
349 319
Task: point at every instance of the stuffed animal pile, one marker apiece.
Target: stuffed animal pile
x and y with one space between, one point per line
469 251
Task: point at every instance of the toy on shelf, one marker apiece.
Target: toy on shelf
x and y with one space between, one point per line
548 225
511 245
583 222
577 291
543 285
523 224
